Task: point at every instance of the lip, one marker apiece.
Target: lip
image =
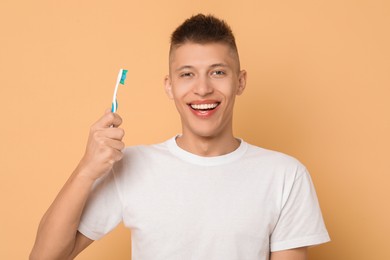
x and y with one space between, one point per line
206 113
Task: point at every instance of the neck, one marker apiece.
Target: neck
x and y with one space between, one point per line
208 146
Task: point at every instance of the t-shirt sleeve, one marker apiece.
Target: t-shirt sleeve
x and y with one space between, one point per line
300 222
103 210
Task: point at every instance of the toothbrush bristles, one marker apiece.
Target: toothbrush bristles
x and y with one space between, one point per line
124 72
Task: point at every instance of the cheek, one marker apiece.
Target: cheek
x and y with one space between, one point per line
228 90
180 89
179 97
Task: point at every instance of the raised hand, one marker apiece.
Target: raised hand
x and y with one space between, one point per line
104 146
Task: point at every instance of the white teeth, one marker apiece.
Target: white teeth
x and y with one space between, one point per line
204 106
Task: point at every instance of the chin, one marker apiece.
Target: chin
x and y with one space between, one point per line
204 133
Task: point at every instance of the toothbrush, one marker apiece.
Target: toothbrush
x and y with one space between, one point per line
120 80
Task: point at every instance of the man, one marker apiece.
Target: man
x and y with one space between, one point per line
203 194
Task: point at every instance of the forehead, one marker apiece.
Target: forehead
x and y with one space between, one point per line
198 55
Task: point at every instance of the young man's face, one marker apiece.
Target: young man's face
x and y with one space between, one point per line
204 81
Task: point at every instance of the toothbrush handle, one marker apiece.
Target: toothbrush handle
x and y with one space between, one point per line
114 105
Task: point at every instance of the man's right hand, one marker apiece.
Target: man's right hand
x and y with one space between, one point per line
57 236
104 146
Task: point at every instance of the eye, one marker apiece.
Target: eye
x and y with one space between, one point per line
186 74
218 73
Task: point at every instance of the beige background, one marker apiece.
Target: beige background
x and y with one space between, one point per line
318 89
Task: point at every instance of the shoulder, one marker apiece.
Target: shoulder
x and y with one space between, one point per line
145 153
139 158
272 158
278 166
146 149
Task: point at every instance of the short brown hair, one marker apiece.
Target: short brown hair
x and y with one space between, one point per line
203 29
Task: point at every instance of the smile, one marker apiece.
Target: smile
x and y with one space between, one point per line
204 107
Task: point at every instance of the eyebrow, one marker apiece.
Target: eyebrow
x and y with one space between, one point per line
184 67
211 66
219 65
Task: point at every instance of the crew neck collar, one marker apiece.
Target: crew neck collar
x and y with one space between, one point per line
203 160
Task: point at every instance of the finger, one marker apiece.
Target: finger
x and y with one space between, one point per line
111 120
116 156
115 144
118 121
113 133
108 119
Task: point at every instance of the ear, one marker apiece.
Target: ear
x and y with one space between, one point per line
168 86
241 82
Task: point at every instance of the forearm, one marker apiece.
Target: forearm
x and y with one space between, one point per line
57 231
57 236
291 254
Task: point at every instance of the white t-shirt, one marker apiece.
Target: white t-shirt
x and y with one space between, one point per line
178 205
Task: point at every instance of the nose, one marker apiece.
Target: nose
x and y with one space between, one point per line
203 87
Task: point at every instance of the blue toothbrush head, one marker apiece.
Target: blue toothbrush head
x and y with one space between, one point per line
123 77
120 80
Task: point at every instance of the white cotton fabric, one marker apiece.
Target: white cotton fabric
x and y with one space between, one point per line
179 205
